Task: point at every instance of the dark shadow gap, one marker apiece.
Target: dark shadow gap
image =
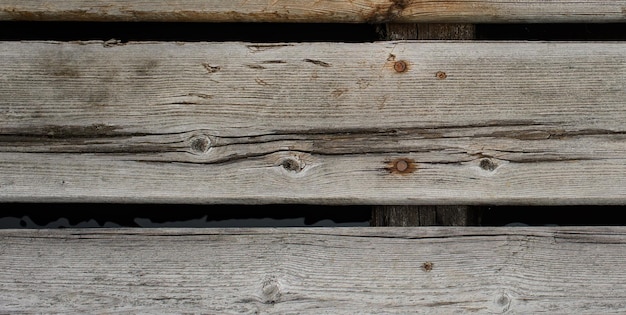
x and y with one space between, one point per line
554 215
61 215
552 32
284 32
188 32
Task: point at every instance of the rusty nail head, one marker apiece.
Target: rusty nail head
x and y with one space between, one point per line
441 75
402 165
400 66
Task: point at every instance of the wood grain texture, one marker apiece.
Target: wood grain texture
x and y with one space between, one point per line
421 215
425 216
340 11
446 31
314 271
466 123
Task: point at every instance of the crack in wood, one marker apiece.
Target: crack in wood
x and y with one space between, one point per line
318 62
107 139
263 47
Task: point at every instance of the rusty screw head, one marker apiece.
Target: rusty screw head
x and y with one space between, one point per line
400 66
441 75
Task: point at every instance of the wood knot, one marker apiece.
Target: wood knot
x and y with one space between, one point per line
292 165
200 144
502 302
270 291
488 165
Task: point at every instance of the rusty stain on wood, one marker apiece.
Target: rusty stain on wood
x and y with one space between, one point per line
400 66
402 166
130 114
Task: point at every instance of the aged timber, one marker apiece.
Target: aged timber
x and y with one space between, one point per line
312 271
424 215
388 123
338 11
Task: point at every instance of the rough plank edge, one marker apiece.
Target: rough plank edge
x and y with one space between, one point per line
360 11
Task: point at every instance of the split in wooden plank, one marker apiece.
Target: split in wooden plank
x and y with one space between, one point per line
433 123
323 270
343 11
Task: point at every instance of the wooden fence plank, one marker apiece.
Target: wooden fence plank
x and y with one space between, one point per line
346 11
337 270
420 215
375 123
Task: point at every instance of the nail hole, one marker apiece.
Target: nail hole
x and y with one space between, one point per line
441 75
427 266
400 66
488 165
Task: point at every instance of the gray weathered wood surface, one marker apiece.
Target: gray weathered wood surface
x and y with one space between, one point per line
422 215
342 11
318 271
466 123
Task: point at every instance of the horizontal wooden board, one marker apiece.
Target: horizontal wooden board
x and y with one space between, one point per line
331 123
340 11
314 271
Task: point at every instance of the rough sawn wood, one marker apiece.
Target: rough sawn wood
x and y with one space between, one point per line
314 271
465 123
338 11
422 215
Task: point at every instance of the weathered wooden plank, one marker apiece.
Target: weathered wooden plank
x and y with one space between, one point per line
321 271
340 11
421 215
465 123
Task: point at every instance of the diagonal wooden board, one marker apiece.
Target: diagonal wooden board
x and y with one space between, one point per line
338 11
561 270
325 123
